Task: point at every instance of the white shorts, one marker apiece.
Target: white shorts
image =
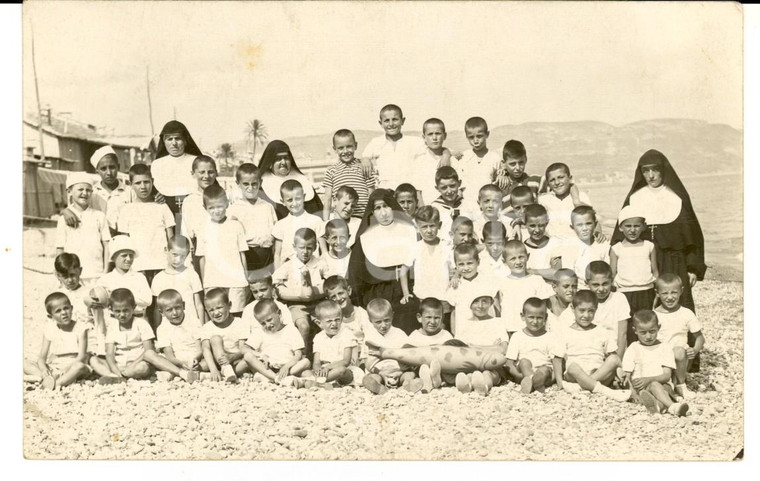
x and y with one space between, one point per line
60 364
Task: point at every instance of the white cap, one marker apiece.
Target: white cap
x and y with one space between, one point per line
100 153
78 178
629 212
121 243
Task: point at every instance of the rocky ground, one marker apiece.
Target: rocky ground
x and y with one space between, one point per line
155 420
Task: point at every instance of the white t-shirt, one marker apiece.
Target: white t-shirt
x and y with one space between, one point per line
184 339
634 266
128 343
291 273
475 172
648 361
284 230
610 312
675 326
132 280
536 349
330 349
559 214
146 224
238 330
258 220
394 338
431 269
490 267
249 318
194 215
577 255
358 324
541 258
110 202
660 205
393 158
80 310
221 245
63 343
467 291
514 291
86 241
423 175
587 348
419 339
479 222
187 283
488 332
173 176
278 347
332 266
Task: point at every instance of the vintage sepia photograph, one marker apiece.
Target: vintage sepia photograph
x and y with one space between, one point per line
343 230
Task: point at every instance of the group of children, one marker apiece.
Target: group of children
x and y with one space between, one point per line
514 278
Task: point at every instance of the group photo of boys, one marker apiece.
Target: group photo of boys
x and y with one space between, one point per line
407 231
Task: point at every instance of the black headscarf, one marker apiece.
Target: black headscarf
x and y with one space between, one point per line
387 196
269 157
176 127
684 233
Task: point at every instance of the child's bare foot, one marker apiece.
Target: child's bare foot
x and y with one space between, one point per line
462 382
374 383
426 379
684 391
228 374
164 376
479 383
257 377
678 409
571 387
188 376
435 373
48 382
650 402
526 385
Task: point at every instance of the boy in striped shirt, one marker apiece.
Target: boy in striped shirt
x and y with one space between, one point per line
347 172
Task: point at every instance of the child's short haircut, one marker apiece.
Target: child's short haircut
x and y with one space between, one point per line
266 280
488 188
430 303
346 190
66 262
334 282
520 192
167 296
562 273
598 268
139 169
461 221
644 317
289 186
494 229
55 297
514 244
216 293
534 302
557 166
427 213
343 133
514 149
433 121
122 296
264 306
475 123
585 296
325 307
379 307
393 107
405 189
179 242
534 211
213 192
466 250
583 210
246 168
335 224
446 172
668 279
305 234
203 159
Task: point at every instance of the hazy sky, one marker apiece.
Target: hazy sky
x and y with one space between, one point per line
313 68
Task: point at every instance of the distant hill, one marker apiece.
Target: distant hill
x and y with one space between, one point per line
595 151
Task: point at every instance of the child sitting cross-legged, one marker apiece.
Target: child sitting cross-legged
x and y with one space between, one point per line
648 365
178 339
588 352
222 339
431 333
129 345
263 288
274 353
334 349
529 354
63 354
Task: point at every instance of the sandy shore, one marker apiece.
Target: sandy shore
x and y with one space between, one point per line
154 420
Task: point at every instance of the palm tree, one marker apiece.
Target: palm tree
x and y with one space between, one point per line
225 154
257 135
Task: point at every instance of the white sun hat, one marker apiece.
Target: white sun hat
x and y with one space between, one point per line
100 153
122 243
78 178
629 212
